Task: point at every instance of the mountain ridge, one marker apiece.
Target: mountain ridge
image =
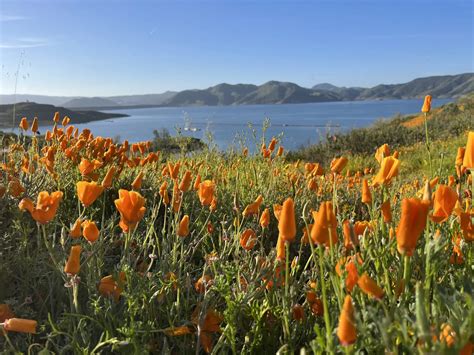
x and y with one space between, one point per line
271 92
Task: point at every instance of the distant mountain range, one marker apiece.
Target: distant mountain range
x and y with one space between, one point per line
272 92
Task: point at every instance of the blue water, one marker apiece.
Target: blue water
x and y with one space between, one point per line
299 124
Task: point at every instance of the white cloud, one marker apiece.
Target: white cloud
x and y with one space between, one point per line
25 42
4 18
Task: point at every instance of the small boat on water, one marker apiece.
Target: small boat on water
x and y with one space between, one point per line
187 124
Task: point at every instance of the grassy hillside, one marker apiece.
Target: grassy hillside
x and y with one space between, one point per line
111 248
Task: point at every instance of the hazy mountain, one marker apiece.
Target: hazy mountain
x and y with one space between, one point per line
446 86
148 99
90 102
40 99
275 92
45 114
272 92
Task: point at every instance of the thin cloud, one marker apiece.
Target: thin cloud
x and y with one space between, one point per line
25 43
5 18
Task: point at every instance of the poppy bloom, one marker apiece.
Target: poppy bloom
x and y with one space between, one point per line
412 223
207 325
183 230
5 312
90 231
447 335
265 218
203 283
20 325
324 227
467 226
34 125
107 181
298 312
164 193
206 192
338 164
366 194
287 223
350 237
24 124
76 231
197 182
388 170
468 159
277 211
15 188
369 286
445 199
253 208
248 239
131 206
460 156
382 152
348 265
426 104
74 262
386 211
185 181
346 330
88 192
110 287
137 183
280 151
46 206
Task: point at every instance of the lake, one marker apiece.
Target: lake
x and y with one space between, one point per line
300 124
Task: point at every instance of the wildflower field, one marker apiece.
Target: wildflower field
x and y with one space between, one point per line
115 248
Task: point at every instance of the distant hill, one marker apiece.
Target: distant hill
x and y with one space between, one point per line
45 114
446 86
272 92
90 102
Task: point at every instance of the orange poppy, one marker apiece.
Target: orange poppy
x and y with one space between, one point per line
265 218
24 124
388 170
183 229
248 239
338 164
382 152
366 194
131 206
298 312
350 267
426 104
280 249
412 223
110 287
90 231
369 286
460 156
34 125
20 325
208 324
74 261
203 283
386 211
253 208
445 199
206 192
324 227
137 183
468 159
346 330
46 206
76 231
185 181
88 192
467 226
107 181
287 222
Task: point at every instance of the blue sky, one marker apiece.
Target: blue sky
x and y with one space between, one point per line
134 47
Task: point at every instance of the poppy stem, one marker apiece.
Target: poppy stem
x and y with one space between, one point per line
427 143
406 272
285 302
327 321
